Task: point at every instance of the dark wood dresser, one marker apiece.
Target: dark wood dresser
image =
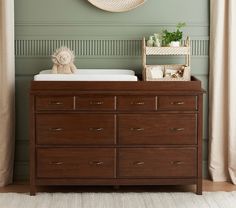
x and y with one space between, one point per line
115 133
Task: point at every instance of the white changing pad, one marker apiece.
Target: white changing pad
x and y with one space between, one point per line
89 75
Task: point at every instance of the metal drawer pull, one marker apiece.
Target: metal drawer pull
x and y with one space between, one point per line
56 129
56 103
177 162
137 129
177 129
98 163
56 163
177 103
96 129
138 163
96 103
137 103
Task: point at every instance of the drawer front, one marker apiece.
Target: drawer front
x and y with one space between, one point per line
157 129
157 162
136 103
95 103
75 163
75 129
177 103
54 103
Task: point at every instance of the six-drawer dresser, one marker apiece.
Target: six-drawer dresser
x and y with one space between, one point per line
115 133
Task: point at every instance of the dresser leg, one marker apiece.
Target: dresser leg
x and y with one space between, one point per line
199 187
32 190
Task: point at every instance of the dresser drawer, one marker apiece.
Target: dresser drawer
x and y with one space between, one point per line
157 128
75 129
157 162
54 103
75 163
95 103
177 103
140 103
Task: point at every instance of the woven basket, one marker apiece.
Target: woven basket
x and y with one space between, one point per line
117 5
186 73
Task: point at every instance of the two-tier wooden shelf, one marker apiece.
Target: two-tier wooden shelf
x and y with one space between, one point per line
167 51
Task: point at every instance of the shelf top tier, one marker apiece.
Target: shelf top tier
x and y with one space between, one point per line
167 50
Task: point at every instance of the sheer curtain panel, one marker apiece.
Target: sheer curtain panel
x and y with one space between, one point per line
7 86
222 160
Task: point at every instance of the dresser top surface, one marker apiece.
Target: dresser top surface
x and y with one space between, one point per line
193 85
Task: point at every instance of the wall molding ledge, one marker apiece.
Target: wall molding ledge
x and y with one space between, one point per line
49 22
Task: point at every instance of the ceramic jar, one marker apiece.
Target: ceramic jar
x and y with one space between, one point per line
150 42
174 43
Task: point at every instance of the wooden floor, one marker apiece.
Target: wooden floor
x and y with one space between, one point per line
207 186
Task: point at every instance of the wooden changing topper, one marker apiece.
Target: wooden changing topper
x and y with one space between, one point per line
115 133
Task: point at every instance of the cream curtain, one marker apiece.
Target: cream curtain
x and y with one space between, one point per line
7 82
222 160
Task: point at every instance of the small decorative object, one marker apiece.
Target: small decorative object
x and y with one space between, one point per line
117 5
63 59
167 75
173 38
156 71
174 44
170 71
174 73
157 40
150 42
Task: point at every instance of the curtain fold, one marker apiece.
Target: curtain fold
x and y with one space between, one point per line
7 91
222 156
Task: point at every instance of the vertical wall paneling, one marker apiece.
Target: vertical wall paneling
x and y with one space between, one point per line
44 48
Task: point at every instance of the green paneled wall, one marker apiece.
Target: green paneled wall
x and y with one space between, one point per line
100 40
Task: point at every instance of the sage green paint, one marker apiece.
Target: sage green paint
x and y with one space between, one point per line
80 11
79 21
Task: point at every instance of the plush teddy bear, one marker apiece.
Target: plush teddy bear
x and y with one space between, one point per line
63 59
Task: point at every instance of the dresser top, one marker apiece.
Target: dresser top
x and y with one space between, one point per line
194 85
